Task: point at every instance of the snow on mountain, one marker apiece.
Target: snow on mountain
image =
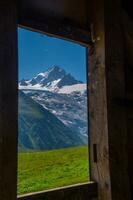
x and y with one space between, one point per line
71 108
62 95
39 129
35 87
53 80
72 88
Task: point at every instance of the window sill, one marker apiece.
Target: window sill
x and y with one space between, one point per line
74 192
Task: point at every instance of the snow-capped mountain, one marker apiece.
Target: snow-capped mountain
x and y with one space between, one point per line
62 95
54 79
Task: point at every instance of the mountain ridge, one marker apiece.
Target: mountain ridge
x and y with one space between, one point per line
53 79
59 94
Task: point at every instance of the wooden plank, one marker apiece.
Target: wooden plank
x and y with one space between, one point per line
129 108
8 99
98 127
59 11
56 29
107 118
117 122
76 192
128 33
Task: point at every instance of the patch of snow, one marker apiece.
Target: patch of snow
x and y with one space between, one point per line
53 84
53 111
44 106
43 74
73 88
33 87
49 87
86 135
28 81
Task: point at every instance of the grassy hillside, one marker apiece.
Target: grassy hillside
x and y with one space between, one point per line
50 169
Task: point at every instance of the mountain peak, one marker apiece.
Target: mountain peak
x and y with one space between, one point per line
56 67
52 79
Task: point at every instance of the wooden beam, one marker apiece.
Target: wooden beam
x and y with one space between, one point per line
8 99
107 118
76 192
56 29
128 32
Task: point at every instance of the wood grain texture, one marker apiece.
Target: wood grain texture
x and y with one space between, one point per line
108 128
56 29
116 88
87 191
98 128
8 99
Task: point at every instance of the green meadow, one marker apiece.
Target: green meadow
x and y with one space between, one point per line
51 169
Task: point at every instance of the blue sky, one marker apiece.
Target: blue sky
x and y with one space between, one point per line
38 52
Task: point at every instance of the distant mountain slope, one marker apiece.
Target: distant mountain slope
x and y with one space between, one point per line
39 129
52 80
71 108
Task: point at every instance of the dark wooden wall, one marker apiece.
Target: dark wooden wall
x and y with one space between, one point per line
8 99
110 121
128 102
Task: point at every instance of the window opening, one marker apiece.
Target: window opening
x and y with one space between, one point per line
52 113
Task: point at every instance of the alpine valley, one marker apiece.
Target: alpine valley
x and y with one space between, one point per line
52 111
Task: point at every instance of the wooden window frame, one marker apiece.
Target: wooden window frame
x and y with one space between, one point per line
74 192
9 103
83 38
